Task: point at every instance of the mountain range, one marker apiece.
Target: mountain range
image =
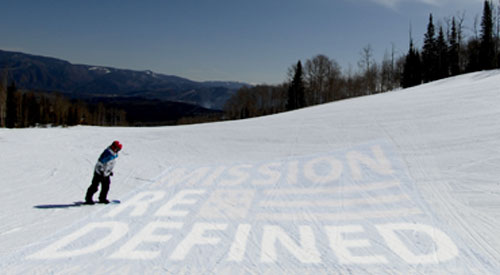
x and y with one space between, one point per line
86 81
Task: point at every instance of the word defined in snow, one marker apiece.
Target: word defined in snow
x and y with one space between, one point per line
352 210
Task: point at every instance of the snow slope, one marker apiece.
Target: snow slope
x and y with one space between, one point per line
272 195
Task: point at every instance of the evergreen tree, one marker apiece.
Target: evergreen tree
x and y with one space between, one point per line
429 53
412 70
487 46
73 115
44 110
31 111
473 52
3 97
11 117
454 50
442 70
296 91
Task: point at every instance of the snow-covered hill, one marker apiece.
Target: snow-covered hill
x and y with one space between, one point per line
402 182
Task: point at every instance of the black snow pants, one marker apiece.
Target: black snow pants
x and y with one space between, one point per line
105 182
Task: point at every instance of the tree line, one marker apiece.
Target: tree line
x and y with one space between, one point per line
319 80
445 52
19 109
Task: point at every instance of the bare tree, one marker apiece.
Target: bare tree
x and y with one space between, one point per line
459 21
335 82
370 70
321 76
257 101
366 60
387 71
291 72
475 27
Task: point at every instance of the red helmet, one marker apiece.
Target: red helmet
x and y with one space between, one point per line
116 146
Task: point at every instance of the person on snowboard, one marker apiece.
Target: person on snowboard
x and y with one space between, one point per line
103 170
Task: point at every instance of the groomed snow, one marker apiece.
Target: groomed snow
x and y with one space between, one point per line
442 140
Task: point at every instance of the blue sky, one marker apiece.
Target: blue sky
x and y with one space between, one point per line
253 41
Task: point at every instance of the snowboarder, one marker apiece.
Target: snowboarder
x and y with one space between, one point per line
102 172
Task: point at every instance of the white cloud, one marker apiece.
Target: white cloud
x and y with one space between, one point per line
388 3
394 3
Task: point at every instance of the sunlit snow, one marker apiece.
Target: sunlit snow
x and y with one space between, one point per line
405 182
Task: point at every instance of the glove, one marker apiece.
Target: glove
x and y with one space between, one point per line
111 174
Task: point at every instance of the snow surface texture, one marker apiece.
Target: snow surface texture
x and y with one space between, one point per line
402 182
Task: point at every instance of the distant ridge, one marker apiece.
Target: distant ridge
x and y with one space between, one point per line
82 81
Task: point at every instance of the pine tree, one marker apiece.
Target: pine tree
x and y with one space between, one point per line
442 70
296 91
429 54
487 47
412 71
473 52
454 50
31 109
3 102
11 117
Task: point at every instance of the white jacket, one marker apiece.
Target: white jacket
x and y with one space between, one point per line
106 162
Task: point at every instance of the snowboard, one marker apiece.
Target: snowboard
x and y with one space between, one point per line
97 202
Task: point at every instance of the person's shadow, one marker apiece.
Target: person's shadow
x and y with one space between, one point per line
53 206
75 204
